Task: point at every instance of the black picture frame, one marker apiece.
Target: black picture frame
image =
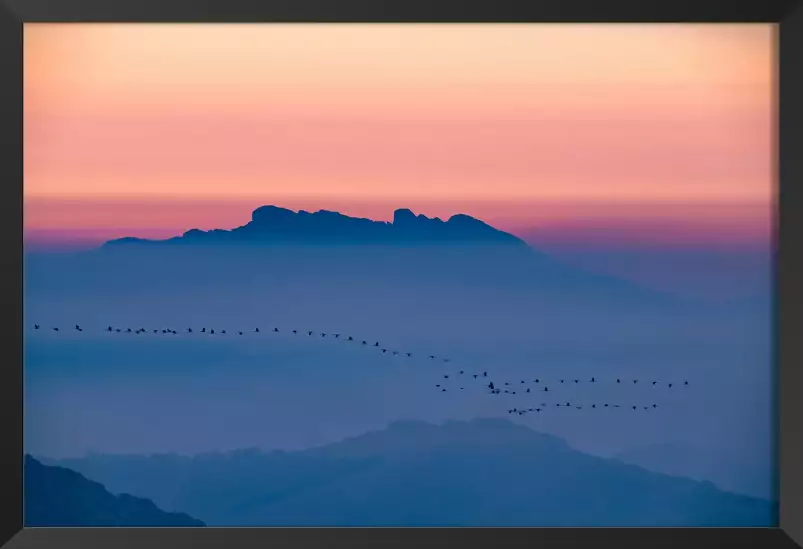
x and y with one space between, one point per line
788 298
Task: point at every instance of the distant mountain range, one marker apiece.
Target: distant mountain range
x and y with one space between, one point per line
328 251
58 497
275 225
484 472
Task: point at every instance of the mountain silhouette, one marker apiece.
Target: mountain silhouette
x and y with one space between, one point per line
58 497
275 225
691 461
484 472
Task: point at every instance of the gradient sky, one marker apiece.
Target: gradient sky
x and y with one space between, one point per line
656 135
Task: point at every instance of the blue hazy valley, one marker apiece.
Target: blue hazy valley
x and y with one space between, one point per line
131 410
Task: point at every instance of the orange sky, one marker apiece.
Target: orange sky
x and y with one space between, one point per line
154 129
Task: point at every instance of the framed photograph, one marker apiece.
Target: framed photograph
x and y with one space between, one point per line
354 274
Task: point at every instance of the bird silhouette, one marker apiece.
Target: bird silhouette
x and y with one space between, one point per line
55 329
364 342
670 385
561 381
593 380
239 333
685 383
593 405
77 327
337 336
109 329
618 380
384 351
397 352
475 376
445 377
443 390
484 374
528 389
546 389
655 383
431 356
323 334
256 330
203 330
128 330
446 360
189 330
577 381
635 381
309 333
221 331
276 330
634 407
537 381
461 372
411 354
212 332
654 405
376 344
491 385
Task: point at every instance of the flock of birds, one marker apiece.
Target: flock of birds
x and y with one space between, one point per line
537 385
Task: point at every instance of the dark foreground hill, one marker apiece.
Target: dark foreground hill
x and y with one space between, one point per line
477 473
55 496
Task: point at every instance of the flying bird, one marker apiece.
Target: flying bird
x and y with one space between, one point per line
36 326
